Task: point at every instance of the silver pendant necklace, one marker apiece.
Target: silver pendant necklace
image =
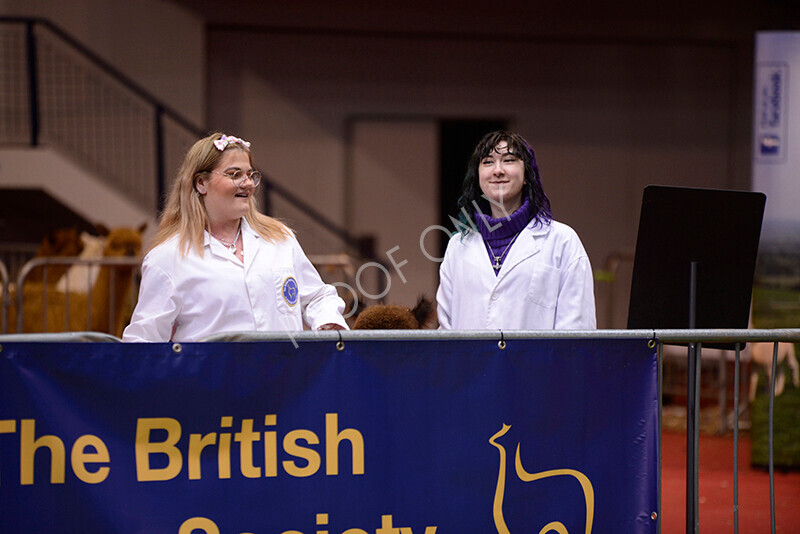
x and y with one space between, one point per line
498 259
230 246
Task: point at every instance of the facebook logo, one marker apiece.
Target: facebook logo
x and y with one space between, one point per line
769 144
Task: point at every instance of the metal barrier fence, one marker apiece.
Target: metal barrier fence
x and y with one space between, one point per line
101 307
15 255
61 337
3 298
657 339
52 289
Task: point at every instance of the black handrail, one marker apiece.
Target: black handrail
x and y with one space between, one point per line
134 87
161 179
33 83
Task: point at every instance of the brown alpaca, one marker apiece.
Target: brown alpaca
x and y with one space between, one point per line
120 243
57 243
391 317
45 309
61 242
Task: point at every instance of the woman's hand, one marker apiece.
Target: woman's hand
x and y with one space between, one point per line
331 326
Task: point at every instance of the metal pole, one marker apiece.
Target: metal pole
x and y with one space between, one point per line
4 303
736 442
723 393
33 82
692 427
159 140
660 433
771 441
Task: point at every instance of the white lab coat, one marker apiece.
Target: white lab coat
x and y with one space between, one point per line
545 283
187 298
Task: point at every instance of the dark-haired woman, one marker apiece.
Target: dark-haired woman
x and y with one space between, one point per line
511 266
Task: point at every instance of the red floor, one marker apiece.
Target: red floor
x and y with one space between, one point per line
716 489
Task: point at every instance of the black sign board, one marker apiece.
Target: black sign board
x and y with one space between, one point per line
718 230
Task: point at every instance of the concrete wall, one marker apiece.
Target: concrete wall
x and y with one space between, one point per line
606 117
612 97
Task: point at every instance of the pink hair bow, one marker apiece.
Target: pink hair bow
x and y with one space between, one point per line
226 140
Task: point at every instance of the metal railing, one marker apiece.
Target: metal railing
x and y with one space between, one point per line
55 91
3 298
52 288
15 255
657 339
61 337
75 310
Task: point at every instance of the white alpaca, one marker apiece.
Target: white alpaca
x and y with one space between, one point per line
80 278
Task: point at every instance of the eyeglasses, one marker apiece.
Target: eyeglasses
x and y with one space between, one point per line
238 177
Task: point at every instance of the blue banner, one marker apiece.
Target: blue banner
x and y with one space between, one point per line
384 437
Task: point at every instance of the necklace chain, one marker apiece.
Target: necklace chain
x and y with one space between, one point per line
231 246
498 259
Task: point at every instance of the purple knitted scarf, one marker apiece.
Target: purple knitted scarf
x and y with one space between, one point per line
499 233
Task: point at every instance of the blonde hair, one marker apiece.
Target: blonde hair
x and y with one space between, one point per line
185 211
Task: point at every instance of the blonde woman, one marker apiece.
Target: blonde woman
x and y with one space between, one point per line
218 265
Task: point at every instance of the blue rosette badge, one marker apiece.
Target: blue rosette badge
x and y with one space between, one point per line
290 291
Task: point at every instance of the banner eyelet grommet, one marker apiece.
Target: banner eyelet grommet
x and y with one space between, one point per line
176 348
340 343
651 344
502 343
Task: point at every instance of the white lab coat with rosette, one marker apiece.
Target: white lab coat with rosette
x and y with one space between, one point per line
188 298
544 283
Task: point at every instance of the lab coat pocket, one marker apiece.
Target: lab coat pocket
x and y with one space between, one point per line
543 289
287 291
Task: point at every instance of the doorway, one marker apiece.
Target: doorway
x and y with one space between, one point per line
457 140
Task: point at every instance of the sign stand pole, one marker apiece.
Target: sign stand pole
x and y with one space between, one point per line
692 422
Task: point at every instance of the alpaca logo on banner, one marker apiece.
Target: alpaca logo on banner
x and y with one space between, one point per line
554 526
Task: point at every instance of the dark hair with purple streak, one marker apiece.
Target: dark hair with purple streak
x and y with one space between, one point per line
532 187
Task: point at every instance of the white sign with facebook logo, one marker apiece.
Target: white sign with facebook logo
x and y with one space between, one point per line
776 172
776 132
771 121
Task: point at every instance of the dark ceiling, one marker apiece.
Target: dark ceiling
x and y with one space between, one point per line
680 19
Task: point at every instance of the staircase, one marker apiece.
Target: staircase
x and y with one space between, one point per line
77 129
57 93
